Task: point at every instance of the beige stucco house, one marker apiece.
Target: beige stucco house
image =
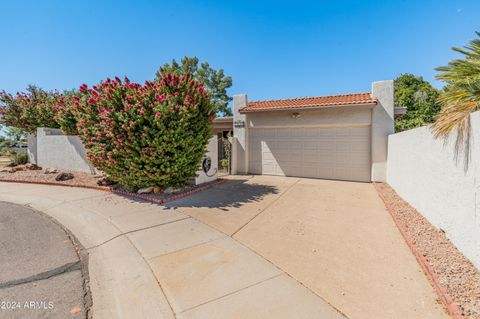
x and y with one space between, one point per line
342 137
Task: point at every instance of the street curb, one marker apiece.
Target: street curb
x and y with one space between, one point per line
134 195
441 291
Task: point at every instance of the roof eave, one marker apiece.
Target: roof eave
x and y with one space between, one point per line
306 108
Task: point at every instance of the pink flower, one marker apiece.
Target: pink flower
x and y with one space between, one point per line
158 115
91 100
83 87
160 97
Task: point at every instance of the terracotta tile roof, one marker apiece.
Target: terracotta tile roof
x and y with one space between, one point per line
306 102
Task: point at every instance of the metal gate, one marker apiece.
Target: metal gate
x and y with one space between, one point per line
224 156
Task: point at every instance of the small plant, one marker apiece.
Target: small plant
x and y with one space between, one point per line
224 163
18 157
227 150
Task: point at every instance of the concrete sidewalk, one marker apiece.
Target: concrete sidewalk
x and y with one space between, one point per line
148 261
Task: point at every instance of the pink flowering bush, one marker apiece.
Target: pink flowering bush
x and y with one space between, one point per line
29 110
144 135
64 116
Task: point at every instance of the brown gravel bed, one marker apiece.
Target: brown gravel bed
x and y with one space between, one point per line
455 272
90 181
39 176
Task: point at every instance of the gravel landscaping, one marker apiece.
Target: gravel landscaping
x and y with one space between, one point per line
39 176
455 272
21 173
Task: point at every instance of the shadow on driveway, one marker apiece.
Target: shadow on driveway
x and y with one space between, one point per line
233 193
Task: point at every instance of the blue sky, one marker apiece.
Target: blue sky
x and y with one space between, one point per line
272 49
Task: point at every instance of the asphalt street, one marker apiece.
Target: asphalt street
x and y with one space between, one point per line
40 271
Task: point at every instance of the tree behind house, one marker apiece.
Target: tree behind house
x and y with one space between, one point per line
215 82
419 97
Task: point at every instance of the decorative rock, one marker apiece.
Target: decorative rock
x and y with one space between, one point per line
50 170
145 190
32 167
64 177
171 190
15 169
105 182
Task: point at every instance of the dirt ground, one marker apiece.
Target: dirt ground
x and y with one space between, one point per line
80 179
455 272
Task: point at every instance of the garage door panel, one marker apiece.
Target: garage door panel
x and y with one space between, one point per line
309 145
334 153
358 147
326 145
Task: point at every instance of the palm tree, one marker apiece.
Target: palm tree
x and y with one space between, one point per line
460 97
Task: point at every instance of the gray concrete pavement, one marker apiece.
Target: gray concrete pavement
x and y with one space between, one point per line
149 261
41 273
334 237
256 247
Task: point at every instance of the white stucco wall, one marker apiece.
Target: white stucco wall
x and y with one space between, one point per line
212 153
239 147
53 149
382 125
423 172
32 148
333 116
61 151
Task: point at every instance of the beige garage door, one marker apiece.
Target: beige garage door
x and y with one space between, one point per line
341 153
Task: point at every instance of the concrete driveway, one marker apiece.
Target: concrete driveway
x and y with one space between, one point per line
334 237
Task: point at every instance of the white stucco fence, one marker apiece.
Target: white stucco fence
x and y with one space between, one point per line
423 172
51 148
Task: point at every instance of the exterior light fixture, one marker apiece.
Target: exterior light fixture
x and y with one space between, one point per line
295 115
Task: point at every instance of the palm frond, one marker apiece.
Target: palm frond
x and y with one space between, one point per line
460 98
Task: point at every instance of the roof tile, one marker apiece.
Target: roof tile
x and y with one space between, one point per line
306 102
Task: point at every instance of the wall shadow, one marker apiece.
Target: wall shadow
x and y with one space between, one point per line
80 150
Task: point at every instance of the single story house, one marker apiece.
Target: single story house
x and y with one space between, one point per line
341 137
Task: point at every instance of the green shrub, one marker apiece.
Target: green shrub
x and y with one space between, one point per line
64 117
145 135
19 157
27 111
